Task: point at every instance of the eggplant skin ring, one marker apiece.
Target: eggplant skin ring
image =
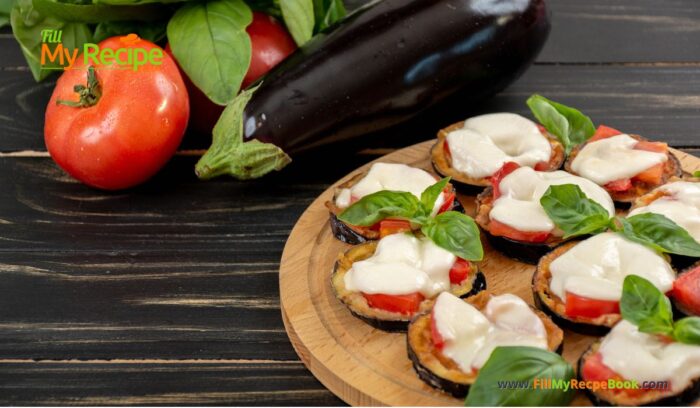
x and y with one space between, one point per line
353 235
651 398
442 373
469 185
383 319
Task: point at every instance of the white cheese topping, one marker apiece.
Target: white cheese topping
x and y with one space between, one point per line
614 158
519 204
486 142
645 357
596 268
681 205
402 264
470 336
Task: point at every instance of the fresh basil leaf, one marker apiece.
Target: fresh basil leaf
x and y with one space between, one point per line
152 31
573 212
5 9
327 12
87 12
431 194
643 305
696 173
299 18
137 2
269 7
27 25
521 364
211 45
687 330
659 233
228 153
569 125
456 233
383 204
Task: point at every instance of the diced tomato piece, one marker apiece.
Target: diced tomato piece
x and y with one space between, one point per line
686 291
353 200
505 170
393 226
656 147
581 306
652 175
542 129
403 304
460 270
502 230
619 185
435 335
595 370
542 166
446 148
604 132
449 195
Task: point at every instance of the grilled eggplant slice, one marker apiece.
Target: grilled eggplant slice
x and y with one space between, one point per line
442 162
441 372
382 319
353 234
527 252
672 168
606 398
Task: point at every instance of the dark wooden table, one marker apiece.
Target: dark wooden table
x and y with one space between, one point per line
168 294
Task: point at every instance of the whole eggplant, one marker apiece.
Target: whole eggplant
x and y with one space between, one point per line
380 66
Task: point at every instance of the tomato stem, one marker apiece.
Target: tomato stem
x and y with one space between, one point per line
89 95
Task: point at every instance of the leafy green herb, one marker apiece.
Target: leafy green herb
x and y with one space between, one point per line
89 12
5 8
375 207
659 233
696 173
270 7
152 31
211 45
327 12
228 153
573 212
645 306
569 125
687 330
299 17
431 194
521 364
456 233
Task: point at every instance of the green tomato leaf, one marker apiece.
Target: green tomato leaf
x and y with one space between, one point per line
27 25
659 233
643 305
687 330
431 194
152 31
521 364
375 207
229 155
569 125
299 18
211 45
573 212
456 233
327 12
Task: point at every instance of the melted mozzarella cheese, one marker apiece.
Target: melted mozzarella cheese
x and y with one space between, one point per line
645 357
402 264
392 177
614 158
519 204
681 205
470 336
486 142
596 267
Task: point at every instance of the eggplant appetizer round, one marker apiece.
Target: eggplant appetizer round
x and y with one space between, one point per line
471 152
650 360
449 343
627 166
579 283
384 176
686 291
387 282
511 216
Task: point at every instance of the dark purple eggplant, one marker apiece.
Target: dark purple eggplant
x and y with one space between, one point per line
378 67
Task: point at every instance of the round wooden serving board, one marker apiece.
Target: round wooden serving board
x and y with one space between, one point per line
362 365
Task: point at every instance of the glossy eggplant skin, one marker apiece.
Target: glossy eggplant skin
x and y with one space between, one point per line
390 60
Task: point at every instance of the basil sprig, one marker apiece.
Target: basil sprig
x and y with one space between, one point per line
451 230
569 125
518 365
576 214
645 306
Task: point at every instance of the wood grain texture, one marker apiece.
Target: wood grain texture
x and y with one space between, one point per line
360 364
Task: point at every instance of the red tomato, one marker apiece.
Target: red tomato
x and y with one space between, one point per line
653 175
595 370
449 195
503 230
391 226
129 132
656 147
435 335
604 132
619 185
581 306
686 291
460 270
541 166
446 148
403 304
505 170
